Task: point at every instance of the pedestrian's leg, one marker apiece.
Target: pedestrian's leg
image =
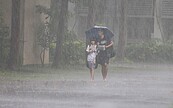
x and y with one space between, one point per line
92 74
104 71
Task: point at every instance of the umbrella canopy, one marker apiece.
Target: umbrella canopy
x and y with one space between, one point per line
93 32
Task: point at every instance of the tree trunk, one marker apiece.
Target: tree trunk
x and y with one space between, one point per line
15 32
100 8
90 21
62 28
91 14
122 30
54 19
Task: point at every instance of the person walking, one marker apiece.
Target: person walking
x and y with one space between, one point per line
91 57
103 59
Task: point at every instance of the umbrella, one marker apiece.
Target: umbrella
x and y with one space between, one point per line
93 32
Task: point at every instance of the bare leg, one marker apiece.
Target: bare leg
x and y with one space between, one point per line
92 74
104 71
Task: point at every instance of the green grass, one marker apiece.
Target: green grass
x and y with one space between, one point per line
47 73
69 72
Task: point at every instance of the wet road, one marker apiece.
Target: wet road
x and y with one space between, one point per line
134 88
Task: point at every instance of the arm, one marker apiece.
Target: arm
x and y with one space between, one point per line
111 43
87 50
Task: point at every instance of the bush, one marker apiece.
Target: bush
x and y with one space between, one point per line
152 51
73 50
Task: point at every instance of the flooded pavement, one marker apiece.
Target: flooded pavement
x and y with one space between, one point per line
129 88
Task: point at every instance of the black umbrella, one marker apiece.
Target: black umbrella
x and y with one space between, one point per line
93 32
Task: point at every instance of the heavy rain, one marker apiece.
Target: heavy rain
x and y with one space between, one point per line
86 54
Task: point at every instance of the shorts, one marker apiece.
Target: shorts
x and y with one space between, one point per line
102 58
91 64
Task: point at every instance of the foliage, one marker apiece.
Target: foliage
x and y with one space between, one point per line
43 36
42 9
73 50
151 51
44 39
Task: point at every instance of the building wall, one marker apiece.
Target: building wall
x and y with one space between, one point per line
30 20
140 20
167 18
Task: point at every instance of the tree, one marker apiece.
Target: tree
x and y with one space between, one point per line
55 8
15 32
62 28
91 14
122 29
44 40
100 9
90 19
47 32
